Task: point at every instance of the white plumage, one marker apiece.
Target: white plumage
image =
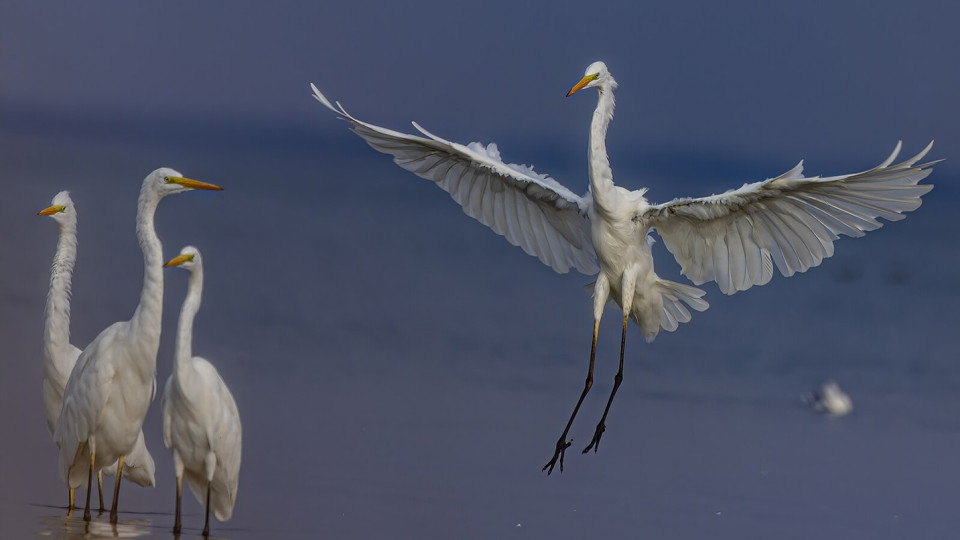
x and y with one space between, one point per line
529 209
734 238
59 354
113 381
201 423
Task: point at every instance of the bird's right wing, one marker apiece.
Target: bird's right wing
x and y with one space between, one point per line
529 209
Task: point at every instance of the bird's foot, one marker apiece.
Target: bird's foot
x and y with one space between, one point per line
595 442
113 517
562 445
86 514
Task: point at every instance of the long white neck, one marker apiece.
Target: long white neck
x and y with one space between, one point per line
56 328
601 176
191 305
147 318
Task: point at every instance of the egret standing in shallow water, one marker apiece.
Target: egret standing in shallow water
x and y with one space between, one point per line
201 423
60 355
734 238
114 379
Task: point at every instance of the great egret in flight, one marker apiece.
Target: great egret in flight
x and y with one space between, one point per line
201 424
114 379
734 238
60 355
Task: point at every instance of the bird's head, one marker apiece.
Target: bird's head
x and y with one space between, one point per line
189 259
596 75
61 208
166 181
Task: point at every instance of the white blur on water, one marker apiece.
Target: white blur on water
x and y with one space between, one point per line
830 399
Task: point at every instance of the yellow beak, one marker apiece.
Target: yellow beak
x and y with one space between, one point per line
587 79
192 184
51 210
178 260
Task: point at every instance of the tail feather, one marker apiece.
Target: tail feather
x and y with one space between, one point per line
674 296
222 496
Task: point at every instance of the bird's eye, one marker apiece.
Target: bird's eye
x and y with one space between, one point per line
168 179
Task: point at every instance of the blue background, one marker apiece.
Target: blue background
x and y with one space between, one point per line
401 371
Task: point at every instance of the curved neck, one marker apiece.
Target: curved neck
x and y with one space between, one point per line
56 330
601 176
147 317
191 305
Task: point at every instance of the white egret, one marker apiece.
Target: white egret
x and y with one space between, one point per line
114 379
734 238
60 355
201 424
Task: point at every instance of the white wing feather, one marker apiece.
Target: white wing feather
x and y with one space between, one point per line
529 209
84 398
736 237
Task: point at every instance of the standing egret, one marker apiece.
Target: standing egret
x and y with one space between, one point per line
60 355
201 424
733 238
114 379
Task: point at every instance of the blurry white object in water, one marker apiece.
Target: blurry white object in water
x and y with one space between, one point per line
201 423
60 356
110 388
734 238
830 399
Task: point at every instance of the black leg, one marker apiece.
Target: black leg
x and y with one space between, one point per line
86 509
601 427
176 520
206 522
116 491
562 443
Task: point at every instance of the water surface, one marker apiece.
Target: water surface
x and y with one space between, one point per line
402 372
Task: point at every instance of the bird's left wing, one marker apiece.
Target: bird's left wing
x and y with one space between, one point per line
735 238
529 209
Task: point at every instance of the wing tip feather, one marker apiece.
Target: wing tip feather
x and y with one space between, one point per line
318 95
893 155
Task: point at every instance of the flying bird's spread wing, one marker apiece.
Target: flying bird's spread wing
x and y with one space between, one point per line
735 238
529 209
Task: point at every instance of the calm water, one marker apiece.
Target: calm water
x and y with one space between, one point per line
402 372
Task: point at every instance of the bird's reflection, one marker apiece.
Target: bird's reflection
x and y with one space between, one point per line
75 527
62 527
